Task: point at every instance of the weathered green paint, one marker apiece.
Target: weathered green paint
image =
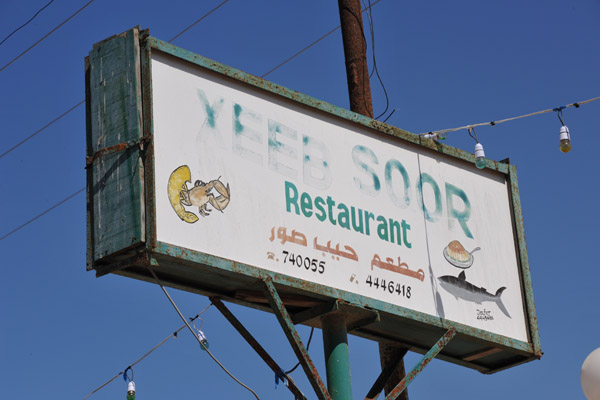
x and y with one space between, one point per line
115 116
522 251
337 358
294 338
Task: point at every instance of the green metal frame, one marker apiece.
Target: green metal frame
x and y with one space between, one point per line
129 258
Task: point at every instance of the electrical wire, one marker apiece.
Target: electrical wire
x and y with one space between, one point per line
306 48
83 101
375 69
26 23
173 38
46 35
312 330
42 128
43 213
174 334
198 20
196 336
493 123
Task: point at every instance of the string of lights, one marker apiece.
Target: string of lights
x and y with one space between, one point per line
26 23
199 336
46 35
493 123
172 335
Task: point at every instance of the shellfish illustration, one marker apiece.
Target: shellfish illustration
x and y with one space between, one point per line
200 195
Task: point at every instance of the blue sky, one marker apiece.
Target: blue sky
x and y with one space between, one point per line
444 64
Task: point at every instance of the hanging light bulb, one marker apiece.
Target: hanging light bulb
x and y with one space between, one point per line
130 384
131 390
479 156
565 139
203 339
564 134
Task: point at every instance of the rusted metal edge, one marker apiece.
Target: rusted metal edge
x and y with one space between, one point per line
294 338
481 354
141 258
478 335
115 149
422 364
89 177
317 104
383 378
524 261
256 346
369 316
148 131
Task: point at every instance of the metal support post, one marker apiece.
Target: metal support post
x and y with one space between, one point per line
294 338
291 385
424 361
337 359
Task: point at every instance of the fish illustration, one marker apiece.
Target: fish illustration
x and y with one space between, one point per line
459 287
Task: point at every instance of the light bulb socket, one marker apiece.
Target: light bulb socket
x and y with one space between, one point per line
479 153
131 387
564 133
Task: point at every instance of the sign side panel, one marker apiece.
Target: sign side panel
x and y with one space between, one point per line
117 177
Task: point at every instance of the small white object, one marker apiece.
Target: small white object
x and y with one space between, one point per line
564 133
479 151
131 387
590 375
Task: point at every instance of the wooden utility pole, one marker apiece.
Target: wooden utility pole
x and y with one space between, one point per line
359 91
355 53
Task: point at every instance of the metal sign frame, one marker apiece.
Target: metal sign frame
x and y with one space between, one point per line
121 214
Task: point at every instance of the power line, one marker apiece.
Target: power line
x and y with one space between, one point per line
83 101
198 20
174 334
42 128
26 23
43 213
196 336
306 48
46 35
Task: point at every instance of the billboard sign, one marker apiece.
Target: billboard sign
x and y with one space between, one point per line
247 179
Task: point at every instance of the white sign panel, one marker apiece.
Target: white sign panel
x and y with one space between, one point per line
247 176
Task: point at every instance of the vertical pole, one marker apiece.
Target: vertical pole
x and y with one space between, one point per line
337 359
355 53
389 355
359 90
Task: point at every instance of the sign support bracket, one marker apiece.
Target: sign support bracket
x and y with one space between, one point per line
294 338
393 395
257 347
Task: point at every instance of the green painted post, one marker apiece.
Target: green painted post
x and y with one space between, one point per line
337 359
